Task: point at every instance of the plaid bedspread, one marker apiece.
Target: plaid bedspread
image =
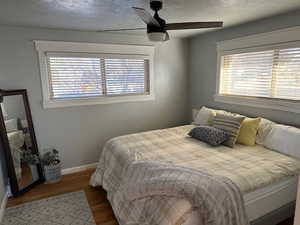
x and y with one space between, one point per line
248 167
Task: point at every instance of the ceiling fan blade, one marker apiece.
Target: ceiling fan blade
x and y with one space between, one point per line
146 16
126 29
167 37
192 25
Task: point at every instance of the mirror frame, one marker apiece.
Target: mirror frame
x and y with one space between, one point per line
15 189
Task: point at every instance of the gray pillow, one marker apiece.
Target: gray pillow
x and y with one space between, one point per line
231 124
210 135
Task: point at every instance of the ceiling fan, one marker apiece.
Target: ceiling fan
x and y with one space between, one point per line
157 27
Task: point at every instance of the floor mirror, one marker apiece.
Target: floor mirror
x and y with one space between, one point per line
18 142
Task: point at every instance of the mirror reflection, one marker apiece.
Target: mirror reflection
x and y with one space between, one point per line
20 141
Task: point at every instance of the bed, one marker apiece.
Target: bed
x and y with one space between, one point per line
267 179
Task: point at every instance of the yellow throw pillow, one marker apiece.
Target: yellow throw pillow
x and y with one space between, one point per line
248 131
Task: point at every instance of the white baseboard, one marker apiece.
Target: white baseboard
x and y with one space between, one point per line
3 206
79 168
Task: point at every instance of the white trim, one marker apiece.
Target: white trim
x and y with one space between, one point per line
84 47
77 48
288 44
103 55
282 105
96 101
3 206
263 39
79 168
219 71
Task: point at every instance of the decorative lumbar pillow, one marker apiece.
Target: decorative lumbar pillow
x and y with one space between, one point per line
210 135
284 139
248 131
231 125
204 117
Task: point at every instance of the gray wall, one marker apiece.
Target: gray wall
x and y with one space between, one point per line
203 65
80 132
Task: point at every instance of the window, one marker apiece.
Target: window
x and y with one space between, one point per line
260 70
83 77
84 73
271 74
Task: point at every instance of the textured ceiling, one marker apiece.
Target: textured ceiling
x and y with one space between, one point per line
93 15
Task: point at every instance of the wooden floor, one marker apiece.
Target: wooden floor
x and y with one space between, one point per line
99 205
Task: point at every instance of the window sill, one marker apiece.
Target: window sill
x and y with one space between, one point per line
95 101
283 105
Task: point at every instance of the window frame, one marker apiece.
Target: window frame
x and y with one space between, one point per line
92 49
280 39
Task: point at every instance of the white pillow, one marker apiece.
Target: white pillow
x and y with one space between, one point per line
284 139
264 128
205 116
11 125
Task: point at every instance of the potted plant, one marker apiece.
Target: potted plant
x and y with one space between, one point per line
52 166
32 160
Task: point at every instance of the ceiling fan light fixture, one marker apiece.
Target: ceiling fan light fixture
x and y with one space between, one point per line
157 36
157 28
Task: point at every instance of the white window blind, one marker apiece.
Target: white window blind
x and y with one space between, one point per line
270 74
83 77
126 76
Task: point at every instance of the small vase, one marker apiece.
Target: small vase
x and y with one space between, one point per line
52 173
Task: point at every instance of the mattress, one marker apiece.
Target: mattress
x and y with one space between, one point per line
274 196
250 167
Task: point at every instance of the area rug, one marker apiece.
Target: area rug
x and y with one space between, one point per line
66 209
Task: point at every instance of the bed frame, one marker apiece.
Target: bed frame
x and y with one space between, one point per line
277 216
269 199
